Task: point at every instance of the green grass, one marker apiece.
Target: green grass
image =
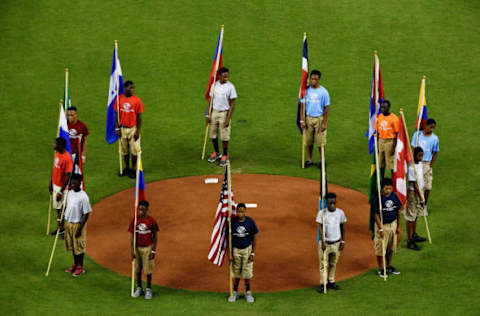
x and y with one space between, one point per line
166 48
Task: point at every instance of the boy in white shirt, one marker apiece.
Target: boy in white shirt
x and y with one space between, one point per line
334 239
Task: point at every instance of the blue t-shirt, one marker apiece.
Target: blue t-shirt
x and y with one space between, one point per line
390 205
317 100
429 144
243 232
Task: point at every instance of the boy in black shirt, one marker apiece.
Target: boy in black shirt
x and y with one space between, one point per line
244 230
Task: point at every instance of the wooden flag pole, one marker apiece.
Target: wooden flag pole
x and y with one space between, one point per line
380 208
229 183
118 109
416 176
303 134
139 158
56 236
210 104
66 90
49 214
422 99
323 221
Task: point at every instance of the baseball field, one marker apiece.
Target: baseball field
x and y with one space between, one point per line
166 48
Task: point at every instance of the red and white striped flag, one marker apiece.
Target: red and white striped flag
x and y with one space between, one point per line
402 158
218 241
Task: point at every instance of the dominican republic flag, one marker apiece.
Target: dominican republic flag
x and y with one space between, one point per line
402 158
422 115
376 98
303 81
63 129
215 65
219 240
116 89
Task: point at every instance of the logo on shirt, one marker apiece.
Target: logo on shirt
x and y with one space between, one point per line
241 232
384 125
142 228
127 107
423 144
389 206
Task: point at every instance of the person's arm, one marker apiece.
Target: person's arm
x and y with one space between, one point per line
325 117
434 157
379 224
139 126
117 119
132 251
302 113
83 221
418 192
320 231
230 112
67 178
84 150
342 232
254 245
394 144
154 246
399 220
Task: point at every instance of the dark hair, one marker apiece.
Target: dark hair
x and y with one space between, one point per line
431 121
387 102
77 176
316 72
62 142
330 195
239 205
128 83
223 70
387 181
144 203
417 150
72 108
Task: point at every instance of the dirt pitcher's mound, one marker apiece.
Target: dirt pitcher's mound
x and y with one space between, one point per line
286 254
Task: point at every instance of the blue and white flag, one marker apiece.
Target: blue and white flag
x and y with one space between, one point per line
63 129
116 86
376 98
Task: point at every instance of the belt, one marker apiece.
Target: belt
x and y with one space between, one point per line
332 242
127 126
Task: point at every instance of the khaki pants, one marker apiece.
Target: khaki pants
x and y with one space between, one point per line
128 144
312 131
142 259
77 244
427 175
413 209
332 253
242 268
390 238
217 122
386 158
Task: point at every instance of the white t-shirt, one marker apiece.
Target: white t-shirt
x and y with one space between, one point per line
332 223
78 204
411 175
223 94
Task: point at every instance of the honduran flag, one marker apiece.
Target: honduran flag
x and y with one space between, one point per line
376 98
116 89
402 158
303 81
216 64
422 115
63 129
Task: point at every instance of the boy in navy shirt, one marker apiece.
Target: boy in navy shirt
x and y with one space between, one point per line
244 230
390 229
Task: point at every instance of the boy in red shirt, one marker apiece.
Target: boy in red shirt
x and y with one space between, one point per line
144 251
386 126
62 168
131 109
78 132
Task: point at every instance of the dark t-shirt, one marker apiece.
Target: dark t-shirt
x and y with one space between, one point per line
75 130
390 205
145 229
243 232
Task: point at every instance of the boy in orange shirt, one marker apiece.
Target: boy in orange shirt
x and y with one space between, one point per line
386 126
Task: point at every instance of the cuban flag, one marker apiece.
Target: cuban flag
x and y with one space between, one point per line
63 129
116 88
215 66
376 98
422 115
402 158
303 81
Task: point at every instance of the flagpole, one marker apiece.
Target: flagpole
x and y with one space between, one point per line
229 183
210 104
380 208
118 108
323 221
303 134
66 89
416 177
139 158
422 99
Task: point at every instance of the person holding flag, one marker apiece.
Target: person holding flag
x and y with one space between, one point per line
387 126
78 132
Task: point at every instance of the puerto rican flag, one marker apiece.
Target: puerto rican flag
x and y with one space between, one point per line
376 98
215 66
402 158
422 115
218 240
303 82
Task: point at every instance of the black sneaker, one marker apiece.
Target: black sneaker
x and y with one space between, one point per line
333 286
53 233
132 174
392 270
412 245
320 289
417 238
381 274
125 172
308 163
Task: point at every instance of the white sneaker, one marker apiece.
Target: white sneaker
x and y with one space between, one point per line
249 297
148 294
137 292
233 298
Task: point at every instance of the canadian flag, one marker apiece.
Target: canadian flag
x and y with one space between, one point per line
402 158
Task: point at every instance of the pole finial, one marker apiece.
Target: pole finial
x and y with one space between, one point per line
424 77
66 69
304 33
401 109
223 25
61 101
375 52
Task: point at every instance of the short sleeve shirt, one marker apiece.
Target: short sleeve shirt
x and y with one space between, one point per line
78 205
333 220
129 108
224 92
75 130
429 144
146 227
387 126
62 165
413 171
316 100
243 232
390 205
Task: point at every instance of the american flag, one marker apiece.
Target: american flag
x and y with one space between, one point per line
218 241
304 79
376 98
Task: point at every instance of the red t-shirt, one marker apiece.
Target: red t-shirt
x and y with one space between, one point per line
129 108
75 130
62 165
145 229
